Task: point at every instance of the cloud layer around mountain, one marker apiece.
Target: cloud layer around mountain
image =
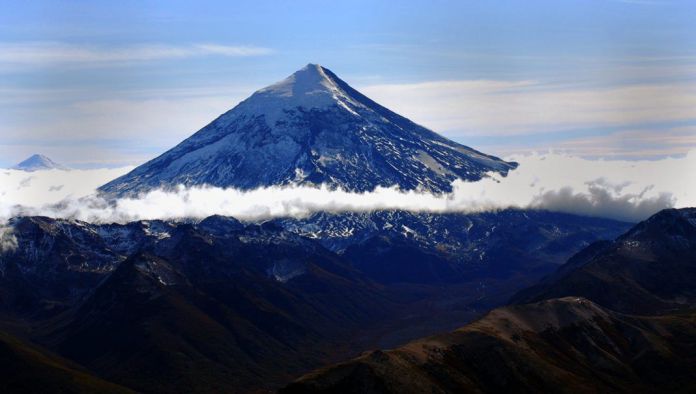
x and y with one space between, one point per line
624 190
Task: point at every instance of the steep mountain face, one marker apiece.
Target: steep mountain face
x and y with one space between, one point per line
567 344
247 305
180 323
651 269
38 162
54 262
237 306
309 129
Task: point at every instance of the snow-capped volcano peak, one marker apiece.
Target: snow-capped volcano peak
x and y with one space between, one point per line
311 87
311 128
310 81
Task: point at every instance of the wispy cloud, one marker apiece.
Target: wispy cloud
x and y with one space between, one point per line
49 53
634 143
650 142
474 108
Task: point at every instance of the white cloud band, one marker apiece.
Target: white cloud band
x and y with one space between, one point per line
624 190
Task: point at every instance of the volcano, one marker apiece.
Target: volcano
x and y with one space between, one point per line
38 162
310 129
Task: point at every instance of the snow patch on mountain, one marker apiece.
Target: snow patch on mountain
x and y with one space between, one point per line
8 241
286 269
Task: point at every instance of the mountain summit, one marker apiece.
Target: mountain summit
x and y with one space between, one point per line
309 129
38 162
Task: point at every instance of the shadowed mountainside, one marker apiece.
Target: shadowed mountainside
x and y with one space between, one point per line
649 270
27 368
163 306
561 345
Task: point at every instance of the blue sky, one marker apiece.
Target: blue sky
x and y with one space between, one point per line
114 83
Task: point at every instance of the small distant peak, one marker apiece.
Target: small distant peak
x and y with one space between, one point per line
37 162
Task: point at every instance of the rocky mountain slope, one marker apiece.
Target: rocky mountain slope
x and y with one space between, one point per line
561 345
233 305
566 345
400 246
251 305
650 269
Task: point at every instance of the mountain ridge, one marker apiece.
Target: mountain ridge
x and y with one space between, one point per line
618 317
648 270
242 306
566 345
